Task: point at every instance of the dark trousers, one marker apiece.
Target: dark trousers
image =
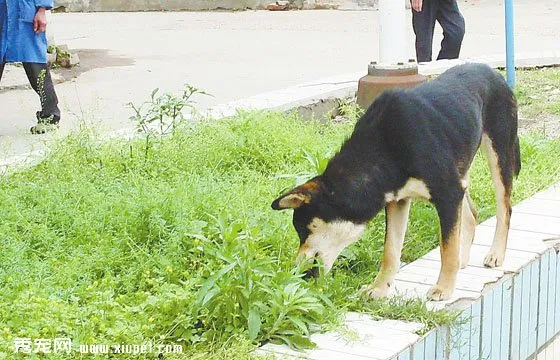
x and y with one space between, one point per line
40 79
446 12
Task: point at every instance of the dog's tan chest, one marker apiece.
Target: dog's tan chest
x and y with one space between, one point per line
414 188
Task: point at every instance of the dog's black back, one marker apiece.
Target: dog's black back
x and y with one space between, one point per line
431 132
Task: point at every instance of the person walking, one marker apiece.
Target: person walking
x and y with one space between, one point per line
425 13
23 39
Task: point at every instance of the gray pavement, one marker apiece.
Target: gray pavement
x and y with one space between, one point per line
231 55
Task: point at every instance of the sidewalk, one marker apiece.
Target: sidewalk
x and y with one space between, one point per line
124 56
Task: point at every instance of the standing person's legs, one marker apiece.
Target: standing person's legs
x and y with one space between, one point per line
40 79
423 23
453 25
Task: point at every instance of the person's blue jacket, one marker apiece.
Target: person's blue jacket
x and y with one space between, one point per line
18 41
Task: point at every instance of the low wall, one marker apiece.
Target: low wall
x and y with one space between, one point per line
197 5
158 5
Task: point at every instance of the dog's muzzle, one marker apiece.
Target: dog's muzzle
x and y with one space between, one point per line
313 272
307 255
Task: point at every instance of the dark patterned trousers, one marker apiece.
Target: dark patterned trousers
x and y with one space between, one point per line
41 81
446 13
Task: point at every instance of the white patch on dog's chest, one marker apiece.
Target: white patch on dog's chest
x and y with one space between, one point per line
414 188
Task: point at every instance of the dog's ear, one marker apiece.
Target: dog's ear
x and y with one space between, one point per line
299 196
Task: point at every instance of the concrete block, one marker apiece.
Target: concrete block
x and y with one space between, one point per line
74 59
51 57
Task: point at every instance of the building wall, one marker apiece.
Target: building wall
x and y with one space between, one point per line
195 5
157 5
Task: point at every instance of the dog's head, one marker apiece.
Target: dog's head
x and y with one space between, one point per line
323 231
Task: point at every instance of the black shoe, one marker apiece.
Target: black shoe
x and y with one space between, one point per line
45 124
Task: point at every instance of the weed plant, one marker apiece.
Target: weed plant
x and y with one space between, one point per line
110 242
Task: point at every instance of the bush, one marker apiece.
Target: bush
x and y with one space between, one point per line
107 243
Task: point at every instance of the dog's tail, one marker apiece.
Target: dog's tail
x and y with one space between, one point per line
516 158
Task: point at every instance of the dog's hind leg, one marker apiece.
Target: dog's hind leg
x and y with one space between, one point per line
449 207
502 178
396 220
501 145
468 226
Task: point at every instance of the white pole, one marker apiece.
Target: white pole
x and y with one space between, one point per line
392 32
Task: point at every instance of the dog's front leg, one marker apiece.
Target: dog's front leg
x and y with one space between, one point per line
450 245
396 219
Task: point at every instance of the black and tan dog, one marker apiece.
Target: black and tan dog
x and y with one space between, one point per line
417 143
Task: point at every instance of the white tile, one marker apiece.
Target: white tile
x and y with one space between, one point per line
403 326
422 265
529 222
415 290
514 259
411 327
284 352
360 337
513 262
552 193
517 239
356 317
466 282
538 206
366 345
390 339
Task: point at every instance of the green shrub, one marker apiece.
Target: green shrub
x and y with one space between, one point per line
103 244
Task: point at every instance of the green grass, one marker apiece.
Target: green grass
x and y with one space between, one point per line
538 91
106 245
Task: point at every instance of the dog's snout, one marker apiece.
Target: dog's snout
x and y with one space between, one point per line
313 272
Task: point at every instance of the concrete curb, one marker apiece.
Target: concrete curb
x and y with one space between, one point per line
317 98
310 98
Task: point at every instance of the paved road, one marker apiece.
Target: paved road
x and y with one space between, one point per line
232 55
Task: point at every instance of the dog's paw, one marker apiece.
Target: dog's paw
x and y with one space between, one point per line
374 292
438 293
493 259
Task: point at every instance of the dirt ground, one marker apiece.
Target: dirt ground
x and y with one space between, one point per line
546 124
